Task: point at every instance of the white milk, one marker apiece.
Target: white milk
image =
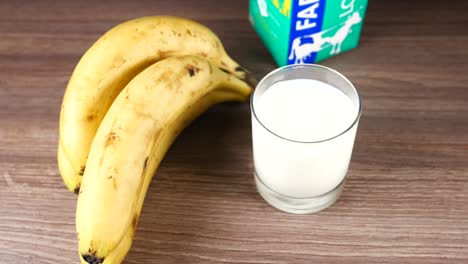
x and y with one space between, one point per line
303 110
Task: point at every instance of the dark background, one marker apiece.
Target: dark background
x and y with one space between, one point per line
406 200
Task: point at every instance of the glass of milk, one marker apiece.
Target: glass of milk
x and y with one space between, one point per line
304 121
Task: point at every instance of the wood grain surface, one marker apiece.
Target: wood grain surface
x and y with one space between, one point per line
406 200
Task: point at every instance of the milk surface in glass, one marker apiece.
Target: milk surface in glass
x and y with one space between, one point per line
291 113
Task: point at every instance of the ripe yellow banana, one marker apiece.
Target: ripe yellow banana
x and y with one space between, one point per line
133 137
107 67
118 254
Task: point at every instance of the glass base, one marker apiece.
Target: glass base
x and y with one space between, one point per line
298 205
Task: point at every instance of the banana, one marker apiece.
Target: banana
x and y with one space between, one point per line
108 66
118 254
130 143
66 170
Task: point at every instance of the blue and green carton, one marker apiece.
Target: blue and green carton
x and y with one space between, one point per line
307 31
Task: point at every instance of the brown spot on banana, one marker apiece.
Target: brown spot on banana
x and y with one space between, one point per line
210 69
82 170
224 70
118 62
91 249
90 117
192 70
163 54
188 32
145 164
135 221
111 138
92 259
249 79
147 115
77 190
114 183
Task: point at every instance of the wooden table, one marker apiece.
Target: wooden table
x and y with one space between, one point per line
406 200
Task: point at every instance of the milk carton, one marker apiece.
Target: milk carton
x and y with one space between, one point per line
307 31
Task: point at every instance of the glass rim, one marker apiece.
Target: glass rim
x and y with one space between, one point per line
308 65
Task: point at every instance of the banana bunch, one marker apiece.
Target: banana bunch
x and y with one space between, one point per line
128 99
109 65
